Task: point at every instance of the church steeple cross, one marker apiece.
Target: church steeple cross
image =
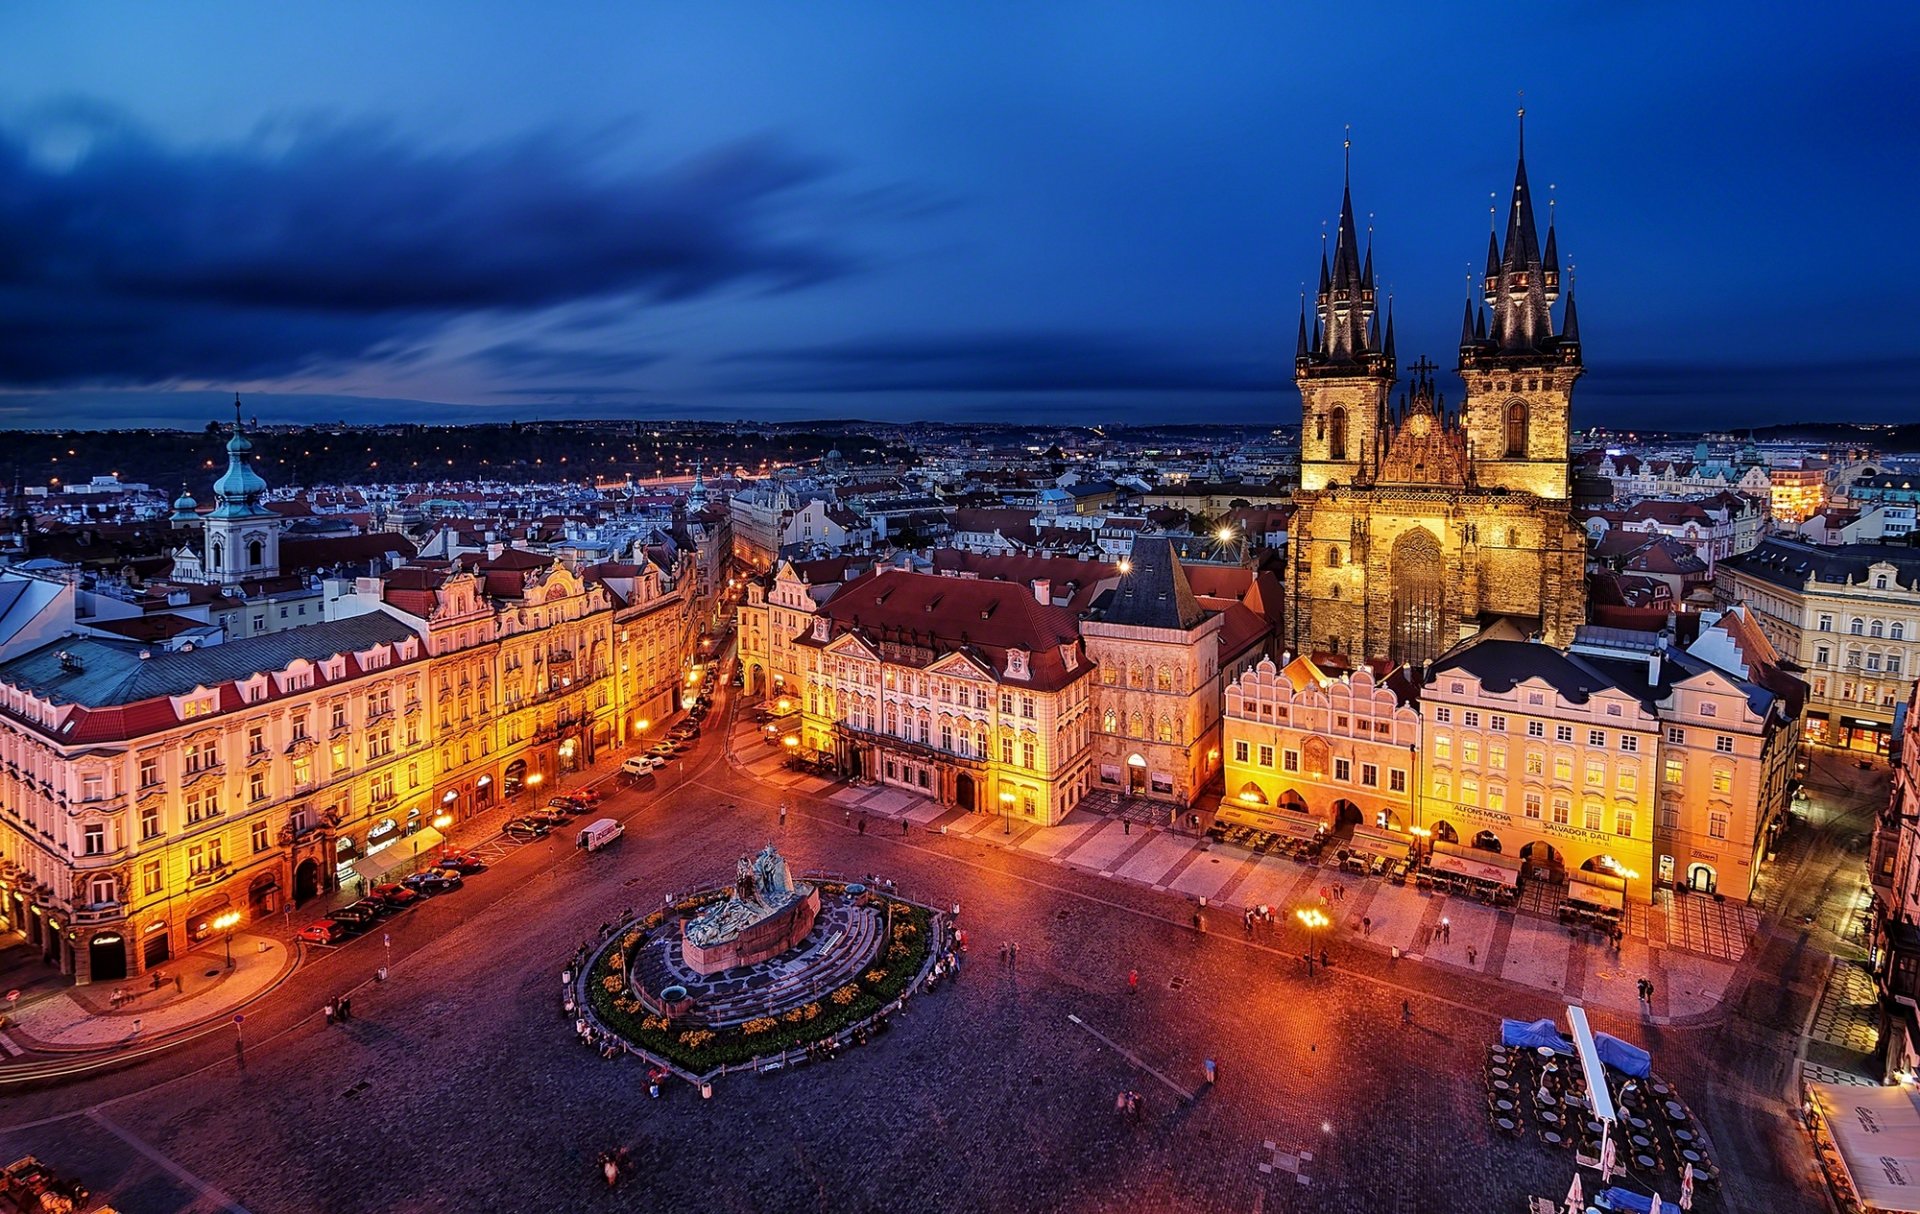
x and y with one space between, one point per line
1423 367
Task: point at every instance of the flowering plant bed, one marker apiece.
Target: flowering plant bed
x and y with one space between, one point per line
699 1048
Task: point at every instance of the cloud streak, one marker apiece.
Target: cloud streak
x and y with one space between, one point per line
1000 362
130 261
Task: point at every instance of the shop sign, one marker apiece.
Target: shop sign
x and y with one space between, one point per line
108 939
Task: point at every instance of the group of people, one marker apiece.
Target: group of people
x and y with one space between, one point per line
1261 915
338 1010
595 1037
614 1164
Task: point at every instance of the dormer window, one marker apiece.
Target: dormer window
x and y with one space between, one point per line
820 628
1016 663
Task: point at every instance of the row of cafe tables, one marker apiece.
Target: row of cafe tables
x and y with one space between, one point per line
1654 1140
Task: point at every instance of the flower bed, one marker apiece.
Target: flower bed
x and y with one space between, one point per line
700 1049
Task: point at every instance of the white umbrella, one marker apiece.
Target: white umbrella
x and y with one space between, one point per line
1608 1155
1575 1199
1655 1207
1686 1187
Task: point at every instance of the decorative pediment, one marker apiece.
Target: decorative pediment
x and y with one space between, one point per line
849 645
962 665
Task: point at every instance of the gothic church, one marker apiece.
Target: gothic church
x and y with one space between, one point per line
1417 525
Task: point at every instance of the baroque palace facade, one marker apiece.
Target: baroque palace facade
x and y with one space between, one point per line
152 797
1416 526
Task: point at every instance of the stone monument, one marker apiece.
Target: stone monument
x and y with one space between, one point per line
764 916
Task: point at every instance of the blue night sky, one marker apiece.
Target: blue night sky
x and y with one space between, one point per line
1087 213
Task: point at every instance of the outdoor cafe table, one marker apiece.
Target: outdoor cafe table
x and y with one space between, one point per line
1549 1117
1683 1136
1643 1142
1501 1085
1646 1162
1551 1138
1506 1124
1675 1112
1504 1106
1499 1072
1661 1090
1638 1123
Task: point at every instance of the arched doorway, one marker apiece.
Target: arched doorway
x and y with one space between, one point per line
306 881
1294 801
1444 832
1346 814
1136 774
1250 794
1418 571
756 680
514 778
1386 819
1701 878
107 957
1541 854
963 791
1486 840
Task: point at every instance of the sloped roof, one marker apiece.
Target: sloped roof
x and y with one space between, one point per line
1154 592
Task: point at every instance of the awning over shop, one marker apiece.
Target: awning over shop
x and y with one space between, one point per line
1596 895
1381 842
397 857
1478 870
1877 1133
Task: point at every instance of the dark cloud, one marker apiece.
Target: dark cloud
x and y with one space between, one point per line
1714 394
1002 362
534 358
124 260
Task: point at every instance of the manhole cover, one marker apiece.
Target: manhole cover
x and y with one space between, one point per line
1175 984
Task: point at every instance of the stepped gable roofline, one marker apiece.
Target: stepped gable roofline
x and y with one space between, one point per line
984 620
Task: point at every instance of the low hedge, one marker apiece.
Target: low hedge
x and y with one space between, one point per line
699 1049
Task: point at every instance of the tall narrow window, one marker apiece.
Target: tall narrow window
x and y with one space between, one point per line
1517 429
1337 438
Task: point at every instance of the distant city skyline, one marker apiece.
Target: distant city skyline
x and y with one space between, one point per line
484 213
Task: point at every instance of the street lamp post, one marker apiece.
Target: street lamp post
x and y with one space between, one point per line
1006 811
1313 919
226 923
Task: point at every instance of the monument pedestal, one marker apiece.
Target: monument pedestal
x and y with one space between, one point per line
768 937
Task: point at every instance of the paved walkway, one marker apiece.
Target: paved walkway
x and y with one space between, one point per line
1690 955
199 989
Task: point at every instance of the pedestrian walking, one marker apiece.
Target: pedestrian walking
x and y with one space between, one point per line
1472 954
346 1007
326 1010
1366 926
863 824
849 817
179 987
1133 982
783 815
905 826
1406 1011
1013 954
1126 826
956 912
1003 952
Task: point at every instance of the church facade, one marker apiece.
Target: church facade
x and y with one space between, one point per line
1416 524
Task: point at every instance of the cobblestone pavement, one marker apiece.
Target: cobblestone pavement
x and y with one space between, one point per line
459 1085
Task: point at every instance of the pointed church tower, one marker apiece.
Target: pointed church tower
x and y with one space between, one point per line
1519 372
242 540
1344 374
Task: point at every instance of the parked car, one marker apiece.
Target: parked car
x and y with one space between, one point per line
397 896
566 805
460 862
324 931
525 828
434 881
357 916
551 816
641 765
685 729
583 799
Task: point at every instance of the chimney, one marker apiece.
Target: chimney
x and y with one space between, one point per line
1653 663
1043 592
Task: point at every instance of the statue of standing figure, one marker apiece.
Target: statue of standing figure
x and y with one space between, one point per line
762 885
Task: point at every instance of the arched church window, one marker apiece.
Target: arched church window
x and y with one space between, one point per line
1517 428
1337 439
1333 556
256 551
219 558
1418 573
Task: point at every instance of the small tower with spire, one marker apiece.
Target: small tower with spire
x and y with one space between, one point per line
697 496
242 536
1519 370
1345 368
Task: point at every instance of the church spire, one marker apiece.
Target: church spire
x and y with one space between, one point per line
1466 324
1300 345
1345 306
1570 324
1520 287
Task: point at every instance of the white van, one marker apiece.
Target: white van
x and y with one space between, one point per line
643 765
600 833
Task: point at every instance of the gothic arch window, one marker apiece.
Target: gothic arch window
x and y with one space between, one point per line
1164 729
1136 726
1109 721
1163 678
1513 537
1517 428
1419 575
1333 556
1337 438
219 558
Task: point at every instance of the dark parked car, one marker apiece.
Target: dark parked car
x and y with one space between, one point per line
460 862
357 916
326 931
396 896
434 881
685 729
566 805
550 816
525 828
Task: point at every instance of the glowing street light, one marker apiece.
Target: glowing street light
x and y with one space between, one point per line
1314 920
226 923
1006 810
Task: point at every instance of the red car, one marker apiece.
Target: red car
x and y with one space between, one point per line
460 862
397 896
326 931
